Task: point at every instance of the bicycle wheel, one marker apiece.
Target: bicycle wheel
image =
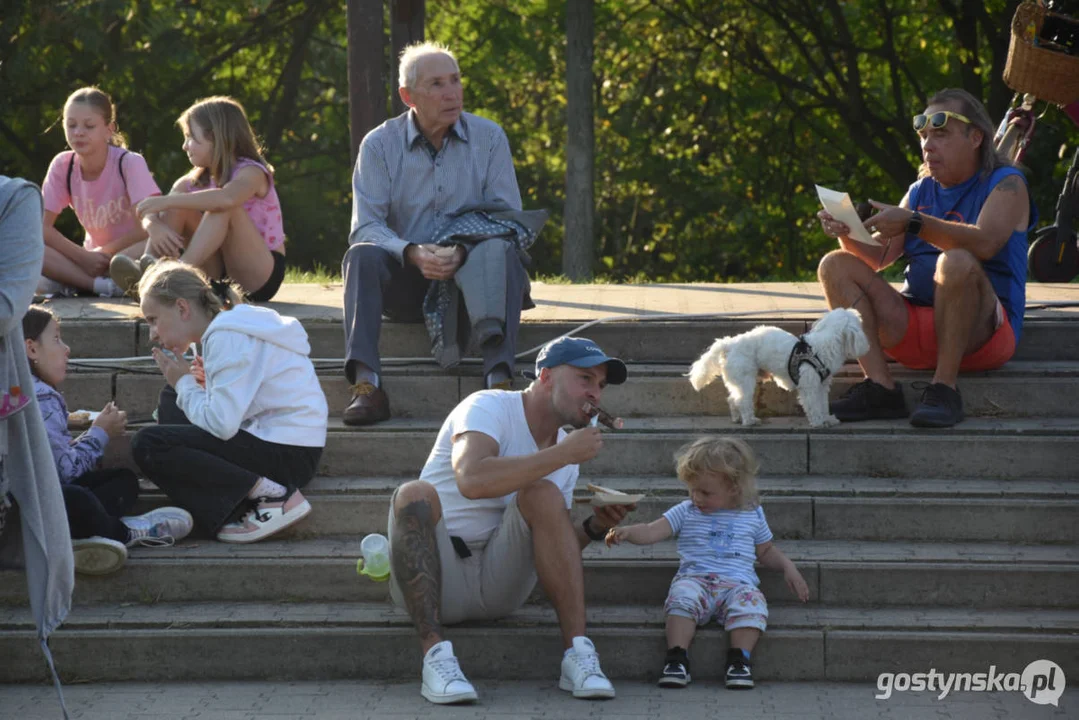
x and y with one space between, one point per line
1050 260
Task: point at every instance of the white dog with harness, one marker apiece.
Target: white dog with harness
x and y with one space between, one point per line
806 363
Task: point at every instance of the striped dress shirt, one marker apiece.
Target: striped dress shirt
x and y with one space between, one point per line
402 192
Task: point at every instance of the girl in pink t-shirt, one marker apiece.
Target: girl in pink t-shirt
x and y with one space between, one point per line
224 215
102 181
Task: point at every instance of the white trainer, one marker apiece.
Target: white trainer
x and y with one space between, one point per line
443 681
98 556
159 528
581 673
266 517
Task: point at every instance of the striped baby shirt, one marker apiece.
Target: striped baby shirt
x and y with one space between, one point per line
723 542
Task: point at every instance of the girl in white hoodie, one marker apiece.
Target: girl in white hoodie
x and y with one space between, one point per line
257 411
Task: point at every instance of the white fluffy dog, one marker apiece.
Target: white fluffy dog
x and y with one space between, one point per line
771 351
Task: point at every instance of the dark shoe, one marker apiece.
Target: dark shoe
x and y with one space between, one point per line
870 401
369 405
126 273
940 407
739 675
675 669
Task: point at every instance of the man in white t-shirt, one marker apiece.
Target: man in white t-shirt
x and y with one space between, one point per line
490 514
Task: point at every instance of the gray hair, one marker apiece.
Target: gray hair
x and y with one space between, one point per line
989 158
407 68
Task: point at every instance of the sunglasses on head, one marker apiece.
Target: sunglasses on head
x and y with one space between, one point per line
937 120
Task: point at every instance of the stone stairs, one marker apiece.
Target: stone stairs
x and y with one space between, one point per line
951 549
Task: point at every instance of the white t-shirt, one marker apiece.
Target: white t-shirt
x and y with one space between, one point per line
499 414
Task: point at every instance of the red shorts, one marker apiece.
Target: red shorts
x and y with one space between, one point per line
918 348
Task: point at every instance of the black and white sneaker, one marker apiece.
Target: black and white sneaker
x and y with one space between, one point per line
739 675
675 669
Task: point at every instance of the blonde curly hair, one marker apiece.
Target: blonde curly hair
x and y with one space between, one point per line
724 457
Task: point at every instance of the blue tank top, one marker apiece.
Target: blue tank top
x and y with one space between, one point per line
1007 270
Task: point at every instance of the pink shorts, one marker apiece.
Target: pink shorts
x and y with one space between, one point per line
918 348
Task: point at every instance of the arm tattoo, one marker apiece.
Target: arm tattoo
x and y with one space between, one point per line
417 568
1011 184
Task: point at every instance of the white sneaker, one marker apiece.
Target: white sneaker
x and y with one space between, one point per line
443 681
106 288
98 555
159 528
269 516
47 286
581 673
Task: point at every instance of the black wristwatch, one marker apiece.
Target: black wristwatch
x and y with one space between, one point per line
587 525
914 225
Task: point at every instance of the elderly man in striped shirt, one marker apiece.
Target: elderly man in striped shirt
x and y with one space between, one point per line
412 173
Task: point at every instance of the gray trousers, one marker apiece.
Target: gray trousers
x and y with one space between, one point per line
376 285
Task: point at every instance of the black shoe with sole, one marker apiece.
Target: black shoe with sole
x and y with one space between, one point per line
739 675
940 407
675 669
870 401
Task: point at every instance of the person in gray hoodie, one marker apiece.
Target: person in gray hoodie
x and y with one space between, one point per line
256 410
33 526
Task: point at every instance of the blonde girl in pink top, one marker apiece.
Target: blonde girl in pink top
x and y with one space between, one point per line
102 181
224 215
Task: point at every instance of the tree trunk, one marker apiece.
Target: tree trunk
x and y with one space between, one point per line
406 28
282 101
578 244
366 78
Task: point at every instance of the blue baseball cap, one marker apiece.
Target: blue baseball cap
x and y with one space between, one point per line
580 352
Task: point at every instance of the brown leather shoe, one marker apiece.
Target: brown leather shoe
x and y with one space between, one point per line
369 405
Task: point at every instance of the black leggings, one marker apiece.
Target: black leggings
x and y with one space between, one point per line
211 477
96 500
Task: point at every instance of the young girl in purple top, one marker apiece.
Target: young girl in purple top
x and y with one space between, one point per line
97 500
224 216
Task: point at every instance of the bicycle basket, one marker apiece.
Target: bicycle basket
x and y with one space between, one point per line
1048 75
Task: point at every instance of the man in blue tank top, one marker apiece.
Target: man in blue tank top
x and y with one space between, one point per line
963 228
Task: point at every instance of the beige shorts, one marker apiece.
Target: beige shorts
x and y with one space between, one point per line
492 583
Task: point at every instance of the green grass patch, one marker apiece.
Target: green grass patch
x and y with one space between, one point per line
320 275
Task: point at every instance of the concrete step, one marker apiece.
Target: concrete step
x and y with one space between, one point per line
770 486
1020 389
979 447
397 699
848 573
993 448
824 511
677 341
375 640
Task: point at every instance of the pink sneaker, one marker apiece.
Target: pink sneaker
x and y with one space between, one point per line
269 516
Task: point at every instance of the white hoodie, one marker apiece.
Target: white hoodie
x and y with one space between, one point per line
258 379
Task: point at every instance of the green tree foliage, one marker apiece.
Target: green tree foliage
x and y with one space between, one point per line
285 60
713 118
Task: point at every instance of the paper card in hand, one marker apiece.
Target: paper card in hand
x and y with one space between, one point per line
842 209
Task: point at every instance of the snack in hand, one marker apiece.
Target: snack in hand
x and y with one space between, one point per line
78 419
600 415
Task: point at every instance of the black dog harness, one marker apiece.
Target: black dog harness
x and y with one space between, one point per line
802 353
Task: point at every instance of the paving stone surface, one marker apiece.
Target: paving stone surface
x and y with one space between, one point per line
503 700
